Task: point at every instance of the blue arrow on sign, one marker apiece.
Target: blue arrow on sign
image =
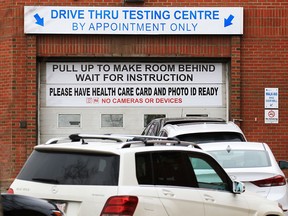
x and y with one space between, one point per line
39 20
228 21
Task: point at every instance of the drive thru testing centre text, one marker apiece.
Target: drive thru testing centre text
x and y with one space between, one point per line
133 20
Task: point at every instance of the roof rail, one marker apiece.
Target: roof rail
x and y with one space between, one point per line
169 141
79 137
56 140
131 137
128 139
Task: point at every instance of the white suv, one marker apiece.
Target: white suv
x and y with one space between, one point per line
85 177
204 132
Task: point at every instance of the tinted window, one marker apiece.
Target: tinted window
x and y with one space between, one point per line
144 168
147 130
164 168
154 127
211 137
71 168
173 168
163 133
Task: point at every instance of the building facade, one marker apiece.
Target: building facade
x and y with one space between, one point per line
55 82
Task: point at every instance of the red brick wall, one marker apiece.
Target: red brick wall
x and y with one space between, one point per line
6 93
258 60
264 65
18 91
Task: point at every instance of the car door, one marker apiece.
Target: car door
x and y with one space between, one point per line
215 188
175 184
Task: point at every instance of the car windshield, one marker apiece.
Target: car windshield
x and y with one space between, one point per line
212 137
71 168
241 158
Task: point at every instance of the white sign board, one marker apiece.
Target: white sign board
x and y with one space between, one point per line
271 116
133 20
271 98
134 84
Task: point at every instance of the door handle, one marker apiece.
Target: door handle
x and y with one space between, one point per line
209 198
168 193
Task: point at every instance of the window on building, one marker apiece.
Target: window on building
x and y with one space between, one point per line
111 120
149 117
69 120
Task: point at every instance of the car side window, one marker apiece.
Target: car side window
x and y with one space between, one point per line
169 168
144 168
145 132
165 168
177 168
153 129
208 174
163 133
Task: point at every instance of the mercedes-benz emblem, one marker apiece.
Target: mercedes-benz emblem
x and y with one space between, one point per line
54 189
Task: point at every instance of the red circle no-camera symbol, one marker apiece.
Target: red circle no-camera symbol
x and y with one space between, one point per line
271 113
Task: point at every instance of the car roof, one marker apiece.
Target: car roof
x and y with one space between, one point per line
233 145
114 144
80 147
186 128
179 120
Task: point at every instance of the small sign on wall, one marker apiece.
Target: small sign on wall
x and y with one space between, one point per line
271 106
271 116
271 98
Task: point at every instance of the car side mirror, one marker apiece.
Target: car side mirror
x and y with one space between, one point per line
283 164
238 187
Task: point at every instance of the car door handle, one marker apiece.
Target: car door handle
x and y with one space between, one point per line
209 198
168 193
